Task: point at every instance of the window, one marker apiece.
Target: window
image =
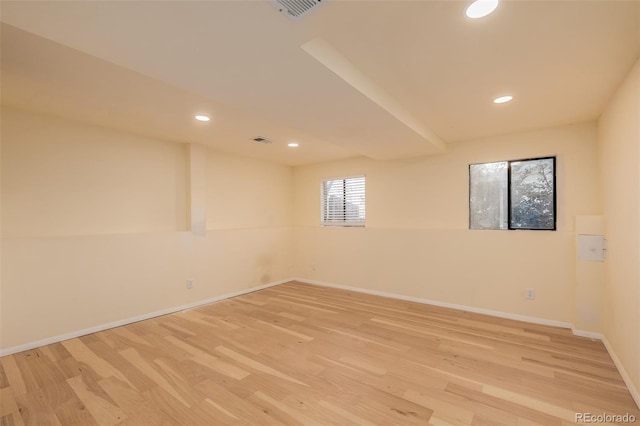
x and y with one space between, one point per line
343 201
513 195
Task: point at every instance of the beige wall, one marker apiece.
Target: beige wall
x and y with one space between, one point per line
63 179
94 227
619 152
243 192
416 241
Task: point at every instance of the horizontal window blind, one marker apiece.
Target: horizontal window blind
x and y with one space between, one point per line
343 201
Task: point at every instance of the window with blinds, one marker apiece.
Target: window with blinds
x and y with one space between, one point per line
343 201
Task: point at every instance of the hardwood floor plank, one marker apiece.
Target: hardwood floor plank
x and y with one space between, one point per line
256 365
445 413
83 354
103 410
148 369
239 406
139 411
17 369
549 410
291 316
74 412
287 331
345 414
280 411
135 377
7 402
11 420
4 381
223 410
35 410
210 361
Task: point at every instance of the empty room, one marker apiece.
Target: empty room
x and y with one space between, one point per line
320 212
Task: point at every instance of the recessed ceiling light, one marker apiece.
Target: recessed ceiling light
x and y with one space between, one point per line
481 8
502 99
202 118
293 145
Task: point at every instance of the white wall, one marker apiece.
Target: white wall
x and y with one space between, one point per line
94 227
619 154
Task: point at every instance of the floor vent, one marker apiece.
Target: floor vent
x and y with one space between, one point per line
296 9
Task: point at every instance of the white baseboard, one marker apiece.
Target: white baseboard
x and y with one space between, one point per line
114 324
499 314
625 376
589 334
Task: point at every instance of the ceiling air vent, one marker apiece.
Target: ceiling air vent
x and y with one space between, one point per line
296 9
261 140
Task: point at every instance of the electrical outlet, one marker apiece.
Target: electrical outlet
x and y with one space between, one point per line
189 284
313 267
530 294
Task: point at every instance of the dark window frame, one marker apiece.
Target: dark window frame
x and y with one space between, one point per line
509 227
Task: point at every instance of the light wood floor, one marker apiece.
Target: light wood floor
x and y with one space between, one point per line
301 354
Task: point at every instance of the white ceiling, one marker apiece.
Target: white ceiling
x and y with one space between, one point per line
382 79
